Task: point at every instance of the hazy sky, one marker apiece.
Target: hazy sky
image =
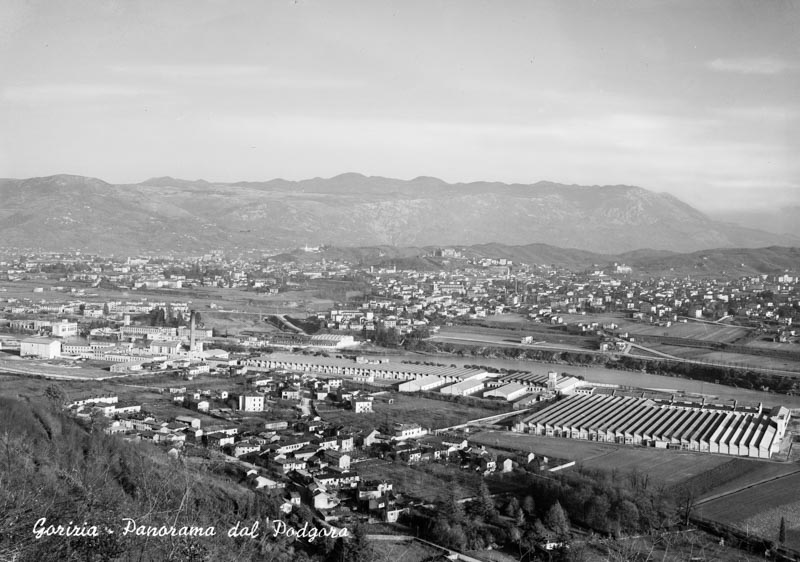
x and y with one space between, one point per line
700 99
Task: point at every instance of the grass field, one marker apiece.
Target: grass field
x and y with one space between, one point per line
642 352
424 482
679 546
691 330
667 468
13 363
131 388
222 297
750 472
402 551
434 414
769 344
758 510
704 331
721 357
553 341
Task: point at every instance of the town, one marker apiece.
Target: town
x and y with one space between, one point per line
352 389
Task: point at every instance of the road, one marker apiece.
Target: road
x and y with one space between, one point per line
488 419
479 339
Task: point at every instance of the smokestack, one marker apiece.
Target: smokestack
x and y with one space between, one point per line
191 331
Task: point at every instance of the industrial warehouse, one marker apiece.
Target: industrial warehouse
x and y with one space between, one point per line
335 366
666 424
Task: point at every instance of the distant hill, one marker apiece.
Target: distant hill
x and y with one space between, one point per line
781 220
733 261
168 214
740 261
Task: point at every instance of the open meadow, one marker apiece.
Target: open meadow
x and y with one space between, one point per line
758 510
429 482
667 468
702 331
402 551
692 329
737 474
405 408
727 358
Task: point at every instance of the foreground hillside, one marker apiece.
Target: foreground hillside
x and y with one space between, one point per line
51 467
166 214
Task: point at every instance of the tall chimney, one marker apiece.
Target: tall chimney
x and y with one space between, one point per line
191 331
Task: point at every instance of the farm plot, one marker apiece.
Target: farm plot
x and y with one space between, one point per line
664 467
424 482
638 351
705 331
693 330
764 344
726 358
758 510
402 551
429 413
569 449
736 475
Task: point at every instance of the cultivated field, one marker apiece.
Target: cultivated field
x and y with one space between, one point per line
667 468
745 473
406 408
62 369
434 482
758 510
402 551
551 342
228 310
764 344
678 546
724 358
144 387
705 331
690 330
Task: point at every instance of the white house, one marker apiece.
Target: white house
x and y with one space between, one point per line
361 404
65 329
251 403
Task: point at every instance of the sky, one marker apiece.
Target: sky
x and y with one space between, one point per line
697 99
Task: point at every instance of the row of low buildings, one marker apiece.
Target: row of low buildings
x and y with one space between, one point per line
455 381
127 357
694 426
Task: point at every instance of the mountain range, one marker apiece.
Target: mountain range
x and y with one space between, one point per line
166 214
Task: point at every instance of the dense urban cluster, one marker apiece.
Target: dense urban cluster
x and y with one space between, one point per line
393 297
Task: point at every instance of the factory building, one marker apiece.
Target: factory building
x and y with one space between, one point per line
665 424
464 388
508 392
421 384
335 366
44 348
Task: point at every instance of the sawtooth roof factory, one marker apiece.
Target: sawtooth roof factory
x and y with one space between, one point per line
664 423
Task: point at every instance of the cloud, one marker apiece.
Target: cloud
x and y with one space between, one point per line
761 113
752 65
72 92
194 71
253 74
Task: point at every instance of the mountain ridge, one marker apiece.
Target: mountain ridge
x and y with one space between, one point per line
65 211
